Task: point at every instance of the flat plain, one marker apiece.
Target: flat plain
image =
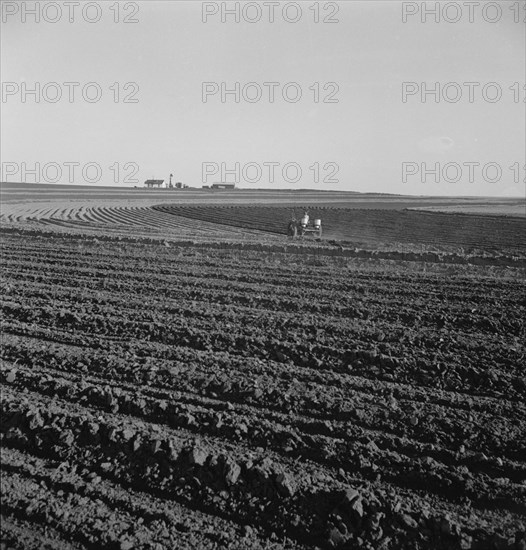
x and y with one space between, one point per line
178 373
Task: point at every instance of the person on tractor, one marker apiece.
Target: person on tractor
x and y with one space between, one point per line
305 219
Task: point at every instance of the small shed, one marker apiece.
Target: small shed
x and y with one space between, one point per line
223 186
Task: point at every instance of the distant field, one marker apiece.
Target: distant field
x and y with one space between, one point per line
365 220
21 194
493 208
365 226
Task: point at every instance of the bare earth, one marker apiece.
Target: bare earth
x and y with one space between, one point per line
177 373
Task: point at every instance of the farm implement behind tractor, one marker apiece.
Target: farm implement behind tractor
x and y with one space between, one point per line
304 227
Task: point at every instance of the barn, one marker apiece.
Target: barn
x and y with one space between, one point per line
152 184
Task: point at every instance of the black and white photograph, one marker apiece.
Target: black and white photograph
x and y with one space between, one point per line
263 275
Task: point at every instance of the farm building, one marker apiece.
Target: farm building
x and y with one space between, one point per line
151 184
223 186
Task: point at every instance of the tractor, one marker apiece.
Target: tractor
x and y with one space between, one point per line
303 227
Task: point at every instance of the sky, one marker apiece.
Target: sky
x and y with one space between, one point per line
353 106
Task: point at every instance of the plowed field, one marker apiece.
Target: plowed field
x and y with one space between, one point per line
179 395
368 226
